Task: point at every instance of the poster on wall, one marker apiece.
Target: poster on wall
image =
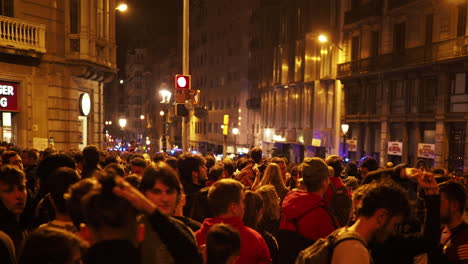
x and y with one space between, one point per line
352 145
395 148
426 151
40 143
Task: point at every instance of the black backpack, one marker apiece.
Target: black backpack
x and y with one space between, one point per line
340 204
291 243
321 251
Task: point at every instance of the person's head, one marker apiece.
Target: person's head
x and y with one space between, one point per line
209 161
229 168
30 157
160 156
13 192
138 165
48 245
273 176
216 173
367 164
133 179
62 178
253 209
50 164
314 173
383 206
351 183
75 193
108 215
226 197
162 186
116 168
172 162
256 154
351 169
282 164
452 201
192 168
337 163
271 202
12 158
223 244
91 156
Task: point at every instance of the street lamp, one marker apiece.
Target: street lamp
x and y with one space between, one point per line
165 100
235 132
322 38
345 128
122 7
122 124
142 117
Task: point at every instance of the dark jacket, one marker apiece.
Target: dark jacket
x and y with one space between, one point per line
175 238
16 230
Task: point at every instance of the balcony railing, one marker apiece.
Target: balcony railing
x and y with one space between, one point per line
373 8
19 34
448 49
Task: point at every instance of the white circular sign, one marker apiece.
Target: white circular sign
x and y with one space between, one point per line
85 104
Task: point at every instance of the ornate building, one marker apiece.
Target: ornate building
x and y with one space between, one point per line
404 73
53 57
294 75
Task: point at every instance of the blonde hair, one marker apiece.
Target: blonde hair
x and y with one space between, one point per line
271 205
274 177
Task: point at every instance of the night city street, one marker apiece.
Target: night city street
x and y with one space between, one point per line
233 131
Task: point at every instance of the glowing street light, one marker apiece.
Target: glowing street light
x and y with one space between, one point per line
122 122
165 96
322 38
122 7
142 117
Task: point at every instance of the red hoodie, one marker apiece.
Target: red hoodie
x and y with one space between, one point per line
315 224
253 246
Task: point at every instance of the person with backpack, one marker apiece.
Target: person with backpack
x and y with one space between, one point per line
379 213
306 216
338 196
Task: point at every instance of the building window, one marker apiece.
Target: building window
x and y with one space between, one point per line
138 100
6 8
355 48
399 37
74 16
429 28
461 27
375 40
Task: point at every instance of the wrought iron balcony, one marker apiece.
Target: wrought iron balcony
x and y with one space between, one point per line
373 8
22 35
443 50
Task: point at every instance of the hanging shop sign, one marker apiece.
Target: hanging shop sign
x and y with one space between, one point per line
85 104
395 148
352 145
426 151
9 97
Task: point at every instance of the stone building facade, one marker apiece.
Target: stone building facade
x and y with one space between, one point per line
53 54
404 73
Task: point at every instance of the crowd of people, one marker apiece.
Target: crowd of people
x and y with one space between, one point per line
95 206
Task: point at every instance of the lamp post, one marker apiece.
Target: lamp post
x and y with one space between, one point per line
345 128
165 100
235 132
122 124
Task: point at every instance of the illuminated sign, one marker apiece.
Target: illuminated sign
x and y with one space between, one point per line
85 104
9 97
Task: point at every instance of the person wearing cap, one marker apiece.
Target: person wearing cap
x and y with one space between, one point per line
305 212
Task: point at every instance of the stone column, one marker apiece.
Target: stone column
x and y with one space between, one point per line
441 140
404 157
384 124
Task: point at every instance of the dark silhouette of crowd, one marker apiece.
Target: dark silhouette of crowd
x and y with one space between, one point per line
95 206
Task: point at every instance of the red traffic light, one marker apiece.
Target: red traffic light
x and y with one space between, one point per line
182 81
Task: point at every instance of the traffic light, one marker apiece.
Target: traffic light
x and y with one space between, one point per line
181 110
183 85
183 82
